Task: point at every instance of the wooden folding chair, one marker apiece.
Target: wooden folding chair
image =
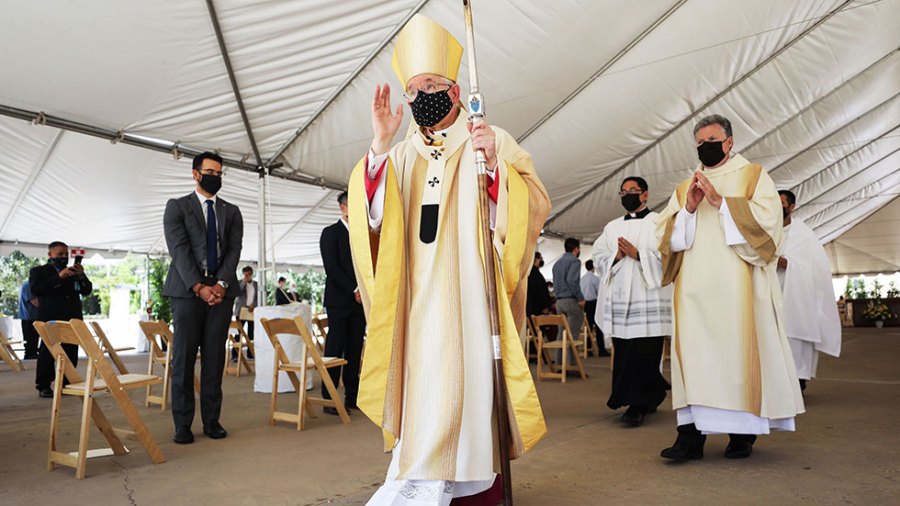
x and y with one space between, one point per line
160 338
311 358
107 348
564 342
321 331
54 335
530 336
590 338
531 342
8 354
237 340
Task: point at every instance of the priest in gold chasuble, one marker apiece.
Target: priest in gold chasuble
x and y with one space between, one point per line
719 236
426 376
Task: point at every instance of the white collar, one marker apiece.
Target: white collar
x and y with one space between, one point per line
203 199
345 223
735 161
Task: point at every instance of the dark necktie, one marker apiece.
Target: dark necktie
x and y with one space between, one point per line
212 234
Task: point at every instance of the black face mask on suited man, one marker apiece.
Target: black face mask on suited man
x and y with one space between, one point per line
210 183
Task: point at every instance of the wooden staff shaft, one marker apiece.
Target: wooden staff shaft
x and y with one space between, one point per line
476 115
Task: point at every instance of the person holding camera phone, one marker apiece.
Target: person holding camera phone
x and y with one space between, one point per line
59 289
204 234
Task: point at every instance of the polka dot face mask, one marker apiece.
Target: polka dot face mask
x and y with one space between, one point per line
430 108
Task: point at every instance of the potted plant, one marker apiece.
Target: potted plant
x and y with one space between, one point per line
893 292
878 312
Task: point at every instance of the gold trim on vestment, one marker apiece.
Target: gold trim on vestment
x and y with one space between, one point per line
752 371
384 343
756 237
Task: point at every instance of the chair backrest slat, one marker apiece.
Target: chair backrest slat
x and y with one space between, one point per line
158 334
294 327
547 320
76 332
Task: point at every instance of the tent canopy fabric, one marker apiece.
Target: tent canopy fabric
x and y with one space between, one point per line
595 90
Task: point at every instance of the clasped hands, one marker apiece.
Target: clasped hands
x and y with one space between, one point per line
701 187
626 249
212 295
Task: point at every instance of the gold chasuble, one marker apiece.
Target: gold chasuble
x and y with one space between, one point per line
729 349
426 376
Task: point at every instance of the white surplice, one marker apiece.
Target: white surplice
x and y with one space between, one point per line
811 318
631 302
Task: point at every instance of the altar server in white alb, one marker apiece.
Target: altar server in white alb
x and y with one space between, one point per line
732 369
811 318
633 308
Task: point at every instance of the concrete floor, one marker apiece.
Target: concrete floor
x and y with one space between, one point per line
845 450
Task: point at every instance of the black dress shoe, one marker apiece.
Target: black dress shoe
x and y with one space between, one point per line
330 411
183 436
740 446
688 445
633 416
45 392
351 405
214 431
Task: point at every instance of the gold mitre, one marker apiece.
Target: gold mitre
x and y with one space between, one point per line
425 47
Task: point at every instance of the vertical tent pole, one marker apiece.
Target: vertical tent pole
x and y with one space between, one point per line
261 242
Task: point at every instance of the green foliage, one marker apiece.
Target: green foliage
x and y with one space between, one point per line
876 290
310 286
126 273
848 290
859 288
893 292
161 309
14 269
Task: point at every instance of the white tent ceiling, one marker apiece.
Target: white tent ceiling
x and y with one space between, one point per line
596 90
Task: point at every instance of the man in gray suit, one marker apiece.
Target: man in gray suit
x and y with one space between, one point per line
248 297
204 236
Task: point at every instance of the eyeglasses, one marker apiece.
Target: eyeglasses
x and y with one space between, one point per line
631 192
429 88
220 173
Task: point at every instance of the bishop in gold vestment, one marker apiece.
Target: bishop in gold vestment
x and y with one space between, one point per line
427 370
732 369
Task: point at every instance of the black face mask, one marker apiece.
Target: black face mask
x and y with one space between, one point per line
631 202
210 184
784 213
60 263
540 264
711 153
430 108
